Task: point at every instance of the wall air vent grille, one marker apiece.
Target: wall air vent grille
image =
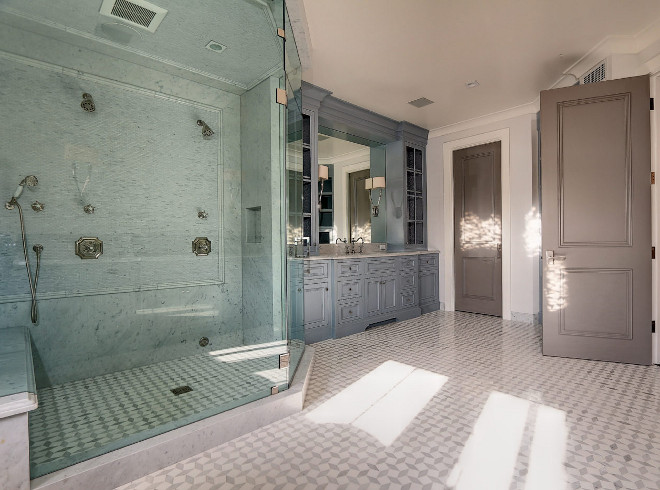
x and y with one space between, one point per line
597 74
421 102
135 13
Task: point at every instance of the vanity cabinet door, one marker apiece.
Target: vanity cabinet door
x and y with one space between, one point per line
428 286
390 293
373 293
317 312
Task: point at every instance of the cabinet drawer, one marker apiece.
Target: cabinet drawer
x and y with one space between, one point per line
349 288
316 269
427 261
409 281
409 263
353 267
349 312
408 298
379 266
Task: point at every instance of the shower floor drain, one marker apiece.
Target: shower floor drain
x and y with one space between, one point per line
181 389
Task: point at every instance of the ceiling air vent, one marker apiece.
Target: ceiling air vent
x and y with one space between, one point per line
421 102
136 13
597 74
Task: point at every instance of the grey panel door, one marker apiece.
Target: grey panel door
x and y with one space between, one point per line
478 229
597 221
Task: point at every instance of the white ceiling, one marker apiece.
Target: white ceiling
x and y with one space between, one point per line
382 54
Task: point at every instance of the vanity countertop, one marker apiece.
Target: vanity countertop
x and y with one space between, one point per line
370 255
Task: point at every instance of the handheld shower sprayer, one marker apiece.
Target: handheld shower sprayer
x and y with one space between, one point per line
29 181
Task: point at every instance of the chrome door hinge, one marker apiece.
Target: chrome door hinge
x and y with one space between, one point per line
280 96
284 360
652 177
653 326
274 390
652 252
281 33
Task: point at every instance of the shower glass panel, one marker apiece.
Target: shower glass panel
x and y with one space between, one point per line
294 199
164 208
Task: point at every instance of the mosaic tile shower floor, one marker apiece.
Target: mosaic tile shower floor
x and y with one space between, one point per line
83 419
499 415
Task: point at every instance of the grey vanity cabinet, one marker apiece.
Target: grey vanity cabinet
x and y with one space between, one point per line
317 301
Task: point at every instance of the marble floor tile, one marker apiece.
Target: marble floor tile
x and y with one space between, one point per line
501 416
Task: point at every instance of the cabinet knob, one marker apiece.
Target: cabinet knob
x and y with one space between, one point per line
350 312
350 289
326 289
299 289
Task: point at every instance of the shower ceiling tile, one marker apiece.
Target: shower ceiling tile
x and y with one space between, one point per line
246 27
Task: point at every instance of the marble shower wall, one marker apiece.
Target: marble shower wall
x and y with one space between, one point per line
262 204
140 159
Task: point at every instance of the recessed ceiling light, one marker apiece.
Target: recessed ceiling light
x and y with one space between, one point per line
472 84
215 46
421 102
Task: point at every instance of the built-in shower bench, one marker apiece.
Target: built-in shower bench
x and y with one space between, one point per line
18 395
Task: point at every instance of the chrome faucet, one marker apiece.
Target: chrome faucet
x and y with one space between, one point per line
361 244
345 242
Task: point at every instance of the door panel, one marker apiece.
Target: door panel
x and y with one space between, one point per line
373 296
478 229
390 293
596 221
316 305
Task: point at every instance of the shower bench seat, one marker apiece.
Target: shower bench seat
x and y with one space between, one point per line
18 396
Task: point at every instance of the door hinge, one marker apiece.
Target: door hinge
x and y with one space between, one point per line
280 96
281 33
652 252
652 104
284 360
652 177
653 326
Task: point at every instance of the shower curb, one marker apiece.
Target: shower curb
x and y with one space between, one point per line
137 460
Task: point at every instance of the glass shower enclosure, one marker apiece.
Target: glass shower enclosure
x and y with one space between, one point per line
144 159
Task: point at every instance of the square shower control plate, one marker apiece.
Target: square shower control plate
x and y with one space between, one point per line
89 248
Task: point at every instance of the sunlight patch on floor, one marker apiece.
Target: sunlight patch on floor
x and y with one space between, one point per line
383 402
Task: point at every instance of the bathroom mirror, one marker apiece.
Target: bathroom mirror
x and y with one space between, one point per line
345 209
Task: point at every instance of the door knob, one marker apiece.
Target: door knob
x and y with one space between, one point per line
550 257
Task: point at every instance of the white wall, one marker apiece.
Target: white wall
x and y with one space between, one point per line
523 255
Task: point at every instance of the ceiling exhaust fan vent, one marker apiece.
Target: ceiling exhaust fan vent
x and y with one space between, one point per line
597 74
135 13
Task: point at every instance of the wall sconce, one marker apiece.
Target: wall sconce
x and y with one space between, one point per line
375 183
323 176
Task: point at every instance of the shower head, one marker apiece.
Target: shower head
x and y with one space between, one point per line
206 131
88 103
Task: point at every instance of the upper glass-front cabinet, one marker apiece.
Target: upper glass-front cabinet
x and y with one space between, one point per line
415 195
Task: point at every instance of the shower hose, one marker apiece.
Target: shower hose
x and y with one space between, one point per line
37 249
